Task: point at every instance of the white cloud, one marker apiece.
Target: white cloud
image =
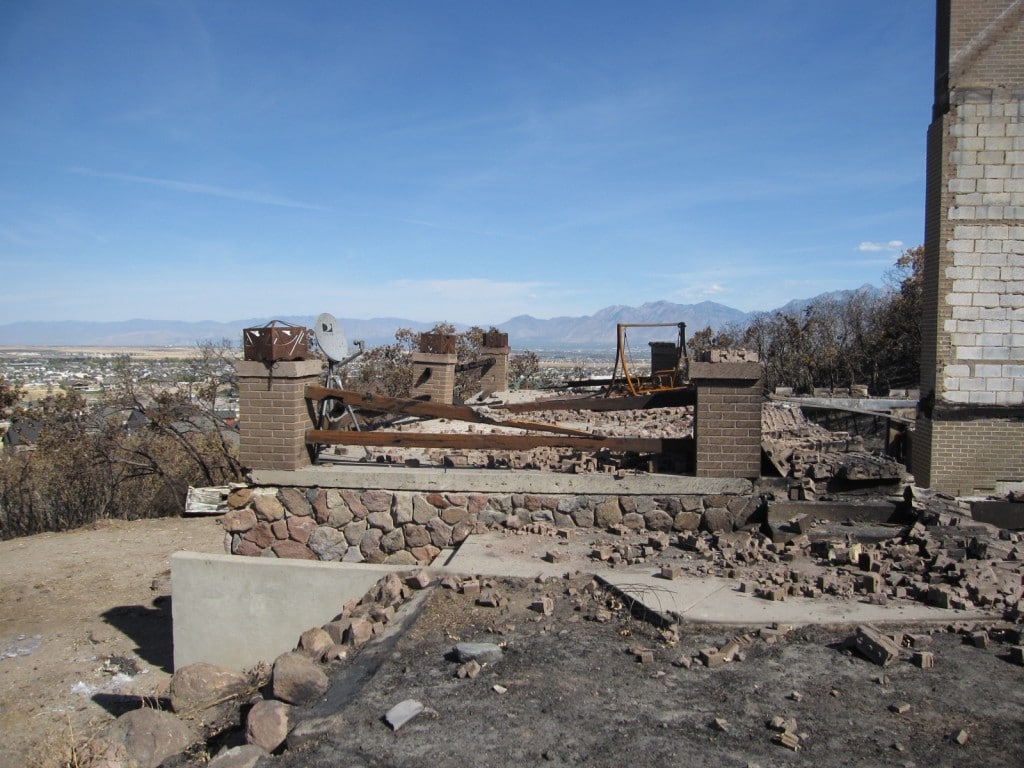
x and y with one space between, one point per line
195 188
869 247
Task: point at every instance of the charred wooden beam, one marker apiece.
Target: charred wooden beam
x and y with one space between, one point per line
489 442
381 404
670 399
486 363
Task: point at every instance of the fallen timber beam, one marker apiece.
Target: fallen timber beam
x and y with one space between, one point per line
669 399
822 405
381 404
487 442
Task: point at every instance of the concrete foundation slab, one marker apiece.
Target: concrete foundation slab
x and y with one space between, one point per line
709 599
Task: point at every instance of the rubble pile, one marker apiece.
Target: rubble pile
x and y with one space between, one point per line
659 422
799 448
943 559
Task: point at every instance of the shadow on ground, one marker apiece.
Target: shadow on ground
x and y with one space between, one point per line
149 628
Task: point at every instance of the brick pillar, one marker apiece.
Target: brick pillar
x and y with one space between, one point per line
274 414
433 377
970 430
727 423
495 378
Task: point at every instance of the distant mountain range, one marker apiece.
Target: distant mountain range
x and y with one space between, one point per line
595 331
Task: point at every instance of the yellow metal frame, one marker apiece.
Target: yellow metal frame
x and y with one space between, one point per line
658 381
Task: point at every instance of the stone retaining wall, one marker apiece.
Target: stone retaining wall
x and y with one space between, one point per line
408 527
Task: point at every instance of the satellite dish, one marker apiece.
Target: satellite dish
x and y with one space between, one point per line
331 338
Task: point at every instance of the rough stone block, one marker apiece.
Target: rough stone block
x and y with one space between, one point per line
710 657
297 679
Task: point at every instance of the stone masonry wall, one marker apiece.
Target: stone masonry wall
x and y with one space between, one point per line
409 528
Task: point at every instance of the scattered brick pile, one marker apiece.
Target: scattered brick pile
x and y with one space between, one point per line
943 559
798 448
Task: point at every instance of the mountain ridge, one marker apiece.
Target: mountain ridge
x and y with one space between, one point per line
525 331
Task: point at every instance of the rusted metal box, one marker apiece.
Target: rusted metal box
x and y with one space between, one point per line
664 356
495 339
437 343
275 341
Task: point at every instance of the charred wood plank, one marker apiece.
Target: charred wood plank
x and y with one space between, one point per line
381 404
670 399
483 442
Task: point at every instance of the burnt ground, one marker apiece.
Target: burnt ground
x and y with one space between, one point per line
577 695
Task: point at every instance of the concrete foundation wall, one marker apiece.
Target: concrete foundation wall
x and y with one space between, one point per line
237 612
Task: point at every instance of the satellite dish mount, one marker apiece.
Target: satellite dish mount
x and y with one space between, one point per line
331 340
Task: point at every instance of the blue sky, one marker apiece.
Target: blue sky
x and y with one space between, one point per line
462 161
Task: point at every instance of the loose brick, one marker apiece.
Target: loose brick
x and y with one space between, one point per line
875 646
923 659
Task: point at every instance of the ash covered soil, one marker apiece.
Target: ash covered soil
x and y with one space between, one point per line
572 690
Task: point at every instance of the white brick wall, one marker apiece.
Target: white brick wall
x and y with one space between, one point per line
986 329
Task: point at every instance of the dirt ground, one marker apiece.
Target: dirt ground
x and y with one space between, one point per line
570 690
84 635
575 694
